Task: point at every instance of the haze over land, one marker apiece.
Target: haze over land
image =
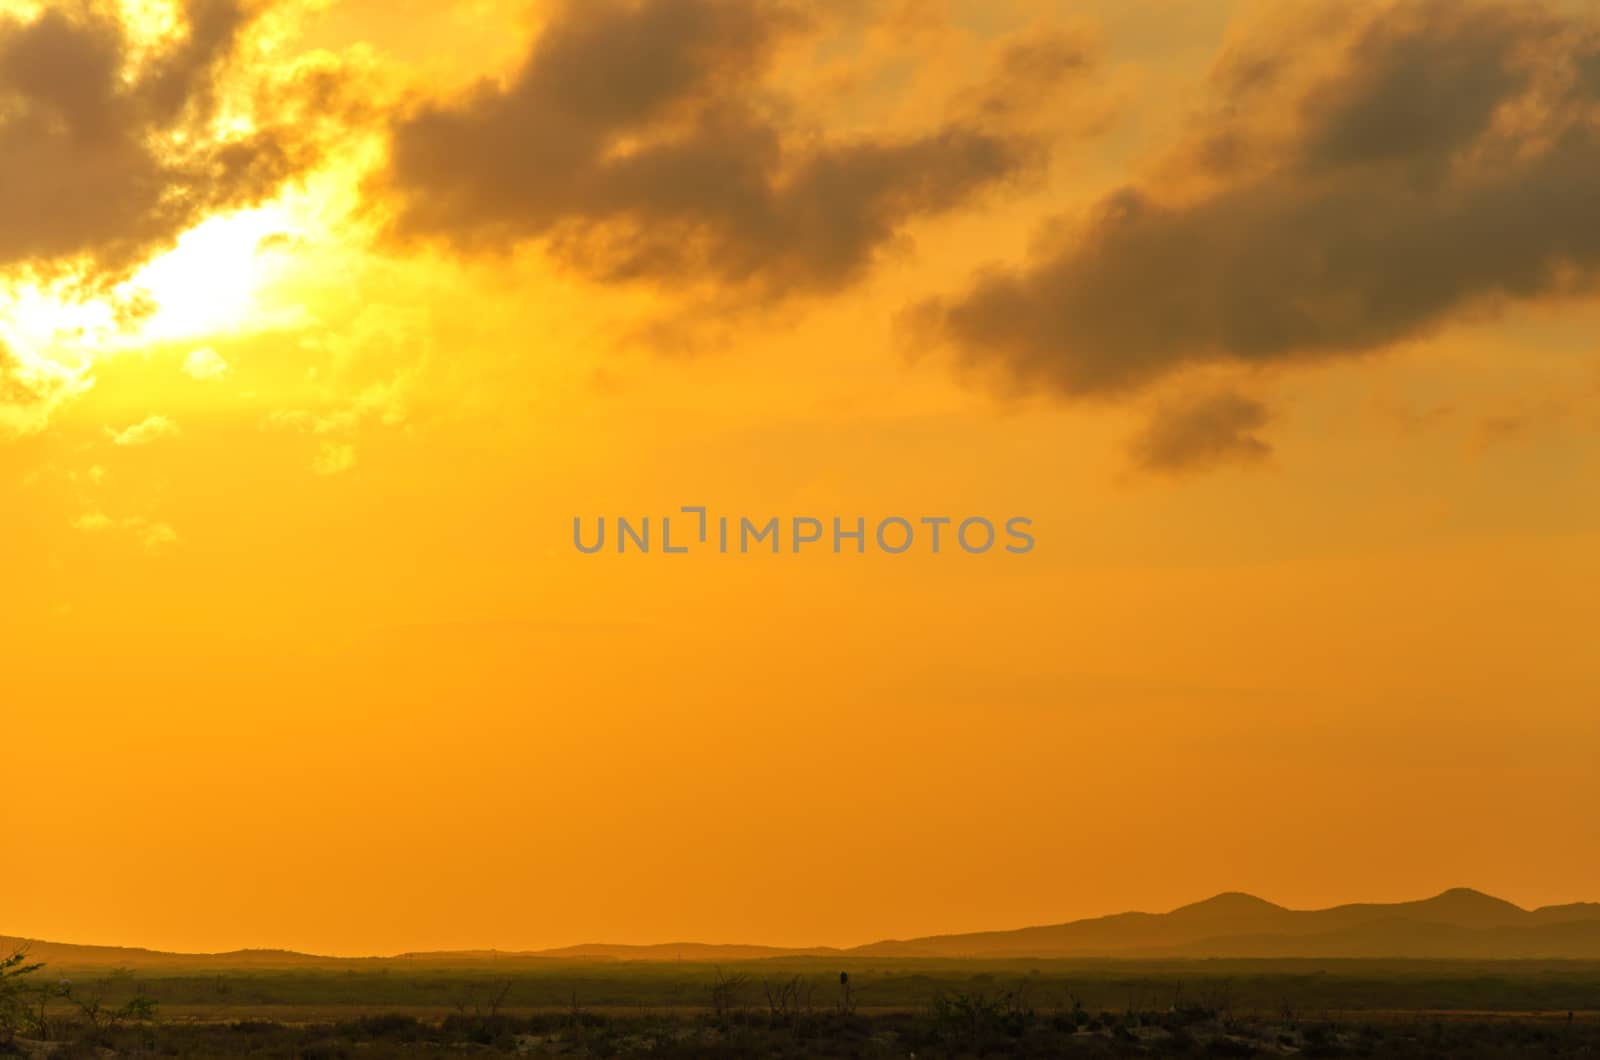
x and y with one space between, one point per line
1457 924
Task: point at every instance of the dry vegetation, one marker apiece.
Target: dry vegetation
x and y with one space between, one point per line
798 1009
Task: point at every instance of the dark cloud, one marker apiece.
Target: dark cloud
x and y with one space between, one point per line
1441 157
105 158
639 141
1424 83
1202 432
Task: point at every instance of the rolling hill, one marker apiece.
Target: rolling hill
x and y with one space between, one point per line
1459 923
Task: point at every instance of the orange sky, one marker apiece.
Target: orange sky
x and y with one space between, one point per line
320 320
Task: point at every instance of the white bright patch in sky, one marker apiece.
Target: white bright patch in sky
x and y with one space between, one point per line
204 364
149 430
211 281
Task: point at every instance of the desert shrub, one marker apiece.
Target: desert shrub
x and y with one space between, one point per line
390 1026
976 1018
16 990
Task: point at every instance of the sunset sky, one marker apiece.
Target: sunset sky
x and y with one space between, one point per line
320 321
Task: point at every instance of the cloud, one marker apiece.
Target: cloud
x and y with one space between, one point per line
1201 432
151 533
109 150
333 458
205 364
151 429
32 389
1411 166
639 142
378 373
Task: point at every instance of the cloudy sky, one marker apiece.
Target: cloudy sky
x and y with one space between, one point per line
320 320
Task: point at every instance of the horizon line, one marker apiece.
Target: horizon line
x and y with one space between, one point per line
815 949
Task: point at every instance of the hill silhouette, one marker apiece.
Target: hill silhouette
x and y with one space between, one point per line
1458 924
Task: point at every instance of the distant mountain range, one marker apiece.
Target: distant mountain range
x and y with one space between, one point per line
1458 924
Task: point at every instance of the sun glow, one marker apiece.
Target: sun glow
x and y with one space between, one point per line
211 282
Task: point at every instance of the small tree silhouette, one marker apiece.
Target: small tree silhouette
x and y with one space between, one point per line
783 997
727 992
15 992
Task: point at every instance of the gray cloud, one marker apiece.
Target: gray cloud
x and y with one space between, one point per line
1443 157
1202 432
638 142
104 160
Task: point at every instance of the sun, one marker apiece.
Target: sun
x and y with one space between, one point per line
210 285
212 281
231 276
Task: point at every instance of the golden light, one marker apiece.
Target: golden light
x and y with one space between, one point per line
211 282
